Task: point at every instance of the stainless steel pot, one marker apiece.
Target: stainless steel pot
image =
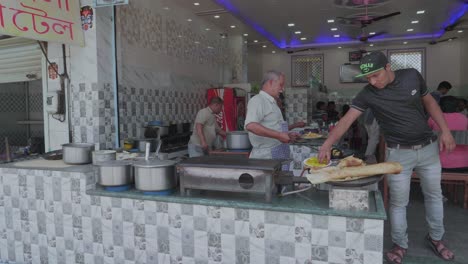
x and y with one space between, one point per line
103 155
115 173
141 144
77 153
155 175
238 140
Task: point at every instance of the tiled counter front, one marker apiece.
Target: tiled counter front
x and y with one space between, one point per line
46 217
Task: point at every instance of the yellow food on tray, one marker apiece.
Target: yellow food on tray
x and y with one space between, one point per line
311 135
314 163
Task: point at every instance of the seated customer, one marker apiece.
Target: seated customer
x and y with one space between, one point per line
320 113
458 158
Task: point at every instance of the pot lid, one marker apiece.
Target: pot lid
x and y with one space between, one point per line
154 163
79 145
114 163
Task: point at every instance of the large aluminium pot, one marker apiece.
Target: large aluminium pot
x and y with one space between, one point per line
103 155
238 140
155 175
77 153
115 173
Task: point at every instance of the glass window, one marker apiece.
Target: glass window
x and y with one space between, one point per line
411 58
305 68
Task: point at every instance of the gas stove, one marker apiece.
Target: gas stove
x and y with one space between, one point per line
175 144
229 173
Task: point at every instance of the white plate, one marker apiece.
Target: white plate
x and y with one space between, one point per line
307 166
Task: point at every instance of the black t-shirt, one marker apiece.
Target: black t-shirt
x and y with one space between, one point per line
398 108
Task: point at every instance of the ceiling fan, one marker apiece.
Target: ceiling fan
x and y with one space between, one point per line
433 42
364 37
367 20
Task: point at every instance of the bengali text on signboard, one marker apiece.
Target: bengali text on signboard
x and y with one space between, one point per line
48 20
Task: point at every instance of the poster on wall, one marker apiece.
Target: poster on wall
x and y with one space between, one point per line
86 14
54 21
100 3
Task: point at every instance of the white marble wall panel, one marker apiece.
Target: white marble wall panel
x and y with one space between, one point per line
166 64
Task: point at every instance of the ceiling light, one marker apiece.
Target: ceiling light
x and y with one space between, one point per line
291 25
414 21
409 29
166 8
372 33
217 16
207 29
255 41
450 39
339 47
371 45
210 47
180 36
303 38
273 52
297 32
333 29
245 41
330 21
336 36
245 34
419 12
197 4
233 26
264 46
460 31
405 42
197 42
189 20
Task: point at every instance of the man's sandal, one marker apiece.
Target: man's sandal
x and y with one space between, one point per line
396 254
440 249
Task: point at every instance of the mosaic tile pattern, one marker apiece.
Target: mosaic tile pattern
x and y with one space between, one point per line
300 103
93 114
297 105
138 106
171 95
46 217
347 199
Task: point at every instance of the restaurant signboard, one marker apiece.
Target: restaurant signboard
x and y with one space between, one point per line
47 20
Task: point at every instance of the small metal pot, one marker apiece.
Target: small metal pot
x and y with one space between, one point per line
155 175
141 144
103 155
115 173
77 153
238 140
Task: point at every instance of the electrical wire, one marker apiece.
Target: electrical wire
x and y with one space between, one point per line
61 117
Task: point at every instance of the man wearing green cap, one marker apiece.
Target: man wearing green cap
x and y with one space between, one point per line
398 100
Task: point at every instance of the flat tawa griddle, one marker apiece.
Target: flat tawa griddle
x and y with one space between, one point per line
357 183
233 162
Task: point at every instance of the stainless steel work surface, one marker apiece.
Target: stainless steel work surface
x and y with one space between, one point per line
231 162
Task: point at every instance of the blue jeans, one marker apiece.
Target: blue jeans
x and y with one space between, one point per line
426 163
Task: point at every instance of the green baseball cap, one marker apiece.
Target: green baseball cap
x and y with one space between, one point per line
372 62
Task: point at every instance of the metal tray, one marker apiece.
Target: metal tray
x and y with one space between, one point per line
357 183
